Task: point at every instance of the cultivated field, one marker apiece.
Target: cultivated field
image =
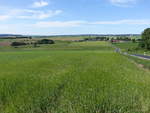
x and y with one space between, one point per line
71 77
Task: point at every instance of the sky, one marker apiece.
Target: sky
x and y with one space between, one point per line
60 17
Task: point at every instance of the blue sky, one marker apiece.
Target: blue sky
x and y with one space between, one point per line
51 17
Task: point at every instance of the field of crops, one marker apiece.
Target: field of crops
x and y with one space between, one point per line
77 77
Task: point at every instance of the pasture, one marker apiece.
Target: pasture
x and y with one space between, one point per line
71 77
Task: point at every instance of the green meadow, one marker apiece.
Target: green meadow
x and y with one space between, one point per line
71 77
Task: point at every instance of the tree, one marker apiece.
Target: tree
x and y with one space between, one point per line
146 39
35 44
45 41
133 40
18 44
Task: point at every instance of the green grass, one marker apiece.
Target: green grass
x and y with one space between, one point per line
145 63
132 48
126 46
87 78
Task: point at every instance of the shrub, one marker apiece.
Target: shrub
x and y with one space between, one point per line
18 43
45 41
142 44
133 40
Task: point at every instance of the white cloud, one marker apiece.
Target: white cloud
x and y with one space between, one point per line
4 17
29 14
39 4
47 27
123 3
49 24
126 21
59 24
37 14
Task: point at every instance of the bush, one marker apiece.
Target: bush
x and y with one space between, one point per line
18 44
129 49
45 41
133 40
142 44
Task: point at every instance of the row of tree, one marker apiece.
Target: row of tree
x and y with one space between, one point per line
97 39
43 41
119 38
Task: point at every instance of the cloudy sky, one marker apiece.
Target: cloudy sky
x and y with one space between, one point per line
50 17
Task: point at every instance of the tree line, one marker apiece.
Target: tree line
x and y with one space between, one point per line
43 41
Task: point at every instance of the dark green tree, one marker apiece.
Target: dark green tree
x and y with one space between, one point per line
146 39
35 44
18 44
133 40
45 41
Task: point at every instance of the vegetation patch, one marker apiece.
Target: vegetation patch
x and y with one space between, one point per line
45 41
18 44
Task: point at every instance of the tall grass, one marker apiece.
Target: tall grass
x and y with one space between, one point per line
70 81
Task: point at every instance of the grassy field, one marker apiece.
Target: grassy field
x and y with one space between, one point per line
126 46
85 77
132 48
62 45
